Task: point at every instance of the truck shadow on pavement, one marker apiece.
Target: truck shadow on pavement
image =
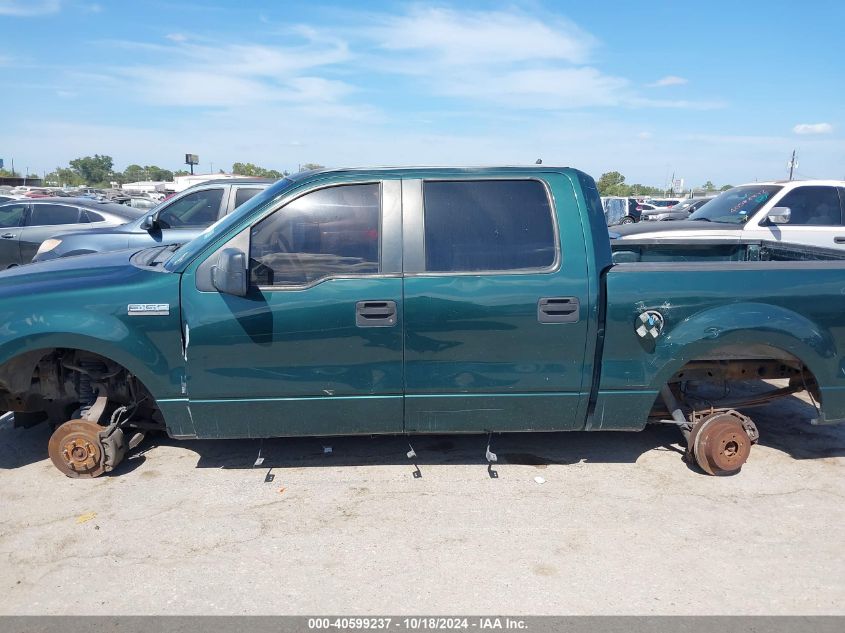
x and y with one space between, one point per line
783 425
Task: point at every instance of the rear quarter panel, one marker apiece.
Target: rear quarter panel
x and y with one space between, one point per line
797 307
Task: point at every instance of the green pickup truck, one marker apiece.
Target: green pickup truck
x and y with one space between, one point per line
417 300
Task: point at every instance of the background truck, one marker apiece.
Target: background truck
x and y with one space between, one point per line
432 300
810 212
176 220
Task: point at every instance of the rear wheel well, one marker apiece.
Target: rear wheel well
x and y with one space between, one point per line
743 363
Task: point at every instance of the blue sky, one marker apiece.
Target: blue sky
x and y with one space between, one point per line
711 90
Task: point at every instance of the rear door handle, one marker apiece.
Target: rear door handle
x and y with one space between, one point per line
375 313
8 236
558 310
839 239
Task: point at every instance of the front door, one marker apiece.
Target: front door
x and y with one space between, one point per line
496 305
816 218
315 348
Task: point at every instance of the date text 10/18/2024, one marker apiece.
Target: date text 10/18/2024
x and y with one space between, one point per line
418 623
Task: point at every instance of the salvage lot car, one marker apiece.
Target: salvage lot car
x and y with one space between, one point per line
432 300
810 212
175 221
26 223
680 211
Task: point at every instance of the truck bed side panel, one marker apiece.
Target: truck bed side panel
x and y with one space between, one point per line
796 307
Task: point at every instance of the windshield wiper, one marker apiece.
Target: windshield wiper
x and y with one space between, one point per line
701 219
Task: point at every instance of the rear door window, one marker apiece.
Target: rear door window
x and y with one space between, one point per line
813 206
90 216
243 194
488 225
195 210
11 215
47 214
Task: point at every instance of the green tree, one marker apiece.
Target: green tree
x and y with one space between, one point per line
133 173
310 166
641 190
249 169
612 183
157 173
63 176
94 169
181 172
726 187
708 186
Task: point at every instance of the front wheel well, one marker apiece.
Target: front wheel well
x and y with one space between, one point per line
51 384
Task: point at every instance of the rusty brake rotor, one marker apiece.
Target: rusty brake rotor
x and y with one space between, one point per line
76 450
720 443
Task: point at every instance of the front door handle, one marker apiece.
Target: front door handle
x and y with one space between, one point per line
8 236
375 313
839 239
558 310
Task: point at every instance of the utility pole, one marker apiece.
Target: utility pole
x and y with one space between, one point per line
792 165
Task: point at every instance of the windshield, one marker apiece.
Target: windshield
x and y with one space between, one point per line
736 205
190 249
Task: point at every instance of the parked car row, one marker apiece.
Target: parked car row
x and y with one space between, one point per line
678 211
38 229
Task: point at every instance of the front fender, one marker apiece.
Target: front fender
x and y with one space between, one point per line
141 350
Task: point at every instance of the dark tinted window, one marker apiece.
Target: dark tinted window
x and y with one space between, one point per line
817 206
487 225
197 209
11 215
45 214
90 216
332 231
243 194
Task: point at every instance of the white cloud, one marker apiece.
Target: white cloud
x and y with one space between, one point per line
669 80
483 37
235 75
28 8
501 58
541 88
813 128
644 136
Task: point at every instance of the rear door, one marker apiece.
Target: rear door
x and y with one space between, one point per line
240 194
11 223
44 220
496 305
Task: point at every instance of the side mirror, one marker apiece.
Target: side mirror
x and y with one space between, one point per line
779 215
228 275
150 222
